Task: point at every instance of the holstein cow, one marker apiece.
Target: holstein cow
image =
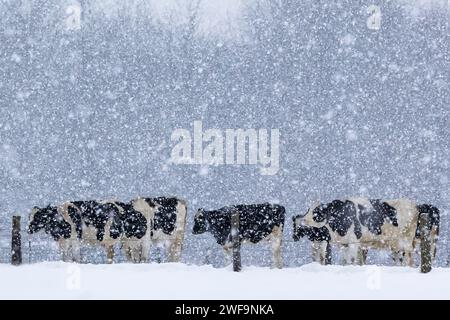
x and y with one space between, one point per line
165 221
357 224
79 222
320 240
257 222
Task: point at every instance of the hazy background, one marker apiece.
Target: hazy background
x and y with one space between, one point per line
87 110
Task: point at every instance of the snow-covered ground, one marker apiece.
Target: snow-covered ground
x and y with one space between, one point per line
57 280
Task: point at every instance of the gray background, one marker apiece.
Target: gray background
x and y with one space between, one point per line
88 113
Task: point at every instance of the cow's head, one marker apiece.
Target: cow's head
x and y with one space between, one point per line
50 220
299 229
316 216
40 218
320 213
200 225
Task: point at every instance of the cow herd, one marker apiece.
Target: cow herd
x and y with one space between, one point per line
134 225
353 225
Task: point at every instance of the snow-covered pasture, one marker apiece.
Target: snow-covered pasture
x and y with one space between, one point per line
58 280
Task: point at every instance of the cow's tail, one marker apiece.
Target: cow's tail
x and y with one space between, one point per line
281 214
433 216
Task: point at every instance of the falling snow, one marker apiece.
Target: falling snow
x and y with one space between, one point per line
91 91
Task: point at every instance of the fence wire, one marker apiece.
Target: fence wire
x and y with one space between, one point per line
199 250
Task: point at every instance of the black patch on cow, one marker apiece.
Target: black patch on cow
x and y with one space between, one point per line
339 215
133 222
75 215
117 227
95 214
166 215
166 202
51 221
256 221
374 219
200 225
312 233
433 217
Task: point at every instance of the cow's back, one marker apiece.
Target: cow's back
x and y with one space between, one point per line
257 221
395 236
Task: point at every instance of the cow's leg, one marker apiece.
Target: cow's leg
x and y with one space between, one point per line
349 253
109 253
344 254
319 251
394 256
401 257
315 252
361 256
355 254
174 251
325 253
410 258
127 250
64 249
145 248
276 241
139 251
136 252
228 252
365 253
176 247
76 250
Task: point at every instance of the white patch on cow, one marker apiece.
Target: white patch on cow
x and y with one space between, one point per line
308 220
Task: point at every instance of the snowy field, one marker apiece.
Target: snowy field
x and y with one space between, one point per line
57 280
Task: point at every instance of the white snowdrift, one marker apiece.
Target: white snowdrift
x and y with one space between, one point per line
58 280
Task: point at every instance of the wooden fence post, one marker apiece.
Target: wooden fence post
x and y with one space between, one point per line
425 243
16 242
328 254
236 241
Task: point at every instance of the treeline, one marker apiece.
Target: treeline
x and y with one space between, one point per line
88 111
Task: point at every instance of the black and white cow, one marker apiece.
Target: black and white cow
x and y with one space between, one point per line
165 221
257 222
49 220
136 225
320 240
357 224
79 222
